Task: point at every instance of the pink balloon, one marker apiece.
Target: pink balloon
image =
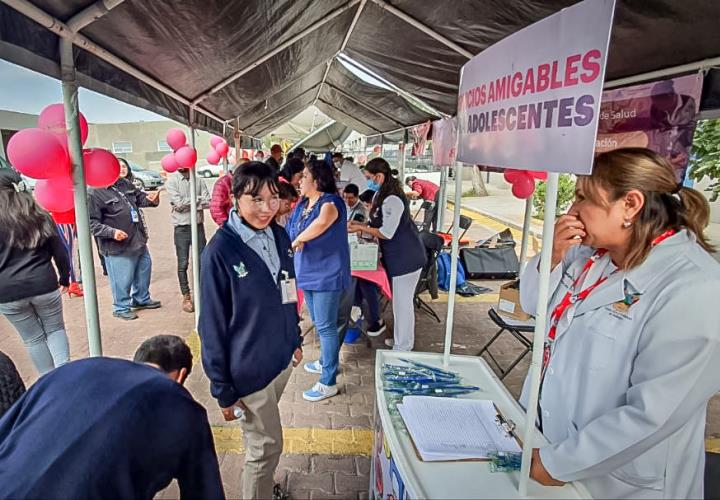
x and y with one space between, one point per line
102 169
511 174
186 157
523 187
222 149
213 158
176 138
55 195
38 154
169 164
215 140
52 119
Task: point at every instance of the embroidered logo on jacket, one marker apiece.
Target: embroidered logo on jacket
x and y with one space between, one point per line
240 270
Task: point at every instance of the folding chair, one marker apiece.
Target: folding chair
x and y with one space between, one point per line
433 246
465 223
516 331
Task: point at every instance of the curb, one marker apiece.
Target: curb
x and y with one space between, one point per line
499 219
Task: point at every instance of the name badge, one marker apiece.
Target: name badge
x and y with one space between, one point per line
288 289
134 215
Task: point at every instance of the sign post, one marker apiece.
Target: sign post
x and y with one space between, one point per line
532 102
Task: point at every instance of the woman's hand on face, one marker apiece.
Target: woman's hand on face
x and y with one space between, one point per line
569 232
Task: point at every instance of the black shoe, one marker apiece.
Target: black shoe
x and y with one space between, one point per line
153 304
279 494
126 315
376 328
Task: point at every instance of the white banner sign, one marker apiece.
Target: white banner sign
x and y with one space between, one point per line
532 100
444 142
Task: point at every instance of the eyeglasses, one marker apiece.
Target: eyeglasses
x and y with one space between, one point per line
272 203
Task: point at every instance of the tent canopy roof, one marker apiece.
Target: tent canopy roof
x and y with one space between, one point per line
284 57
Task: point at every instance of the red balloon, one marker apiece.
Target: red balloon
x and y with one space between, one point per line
523 187
176 138
55 195
539 175
511 174
215 140
102 169
213 157
222 149
186 157
38 154
52 119
169 164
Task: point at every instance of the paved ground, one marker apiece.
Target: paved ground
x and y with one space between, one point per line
327 444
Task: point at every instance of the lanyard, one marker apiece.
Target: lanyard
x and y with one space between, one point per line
571 297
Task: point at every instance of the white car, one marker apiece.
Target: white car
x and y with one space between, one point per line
208 170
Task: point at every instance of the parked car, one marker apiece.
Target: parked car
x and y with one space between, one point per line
144 178
209 170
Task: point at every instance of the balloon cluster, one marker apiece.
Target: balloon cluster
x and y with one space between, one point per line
220 150
183 155
523 181
42 153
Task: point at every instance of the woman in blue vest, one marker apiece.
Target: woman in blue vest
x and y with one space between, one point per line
322 264
403 253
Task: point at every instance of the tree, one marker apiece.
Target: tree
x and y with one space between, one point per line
565 197
705 156
478 183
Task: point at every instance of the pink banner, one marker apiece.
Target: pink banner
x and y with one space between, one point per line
658 115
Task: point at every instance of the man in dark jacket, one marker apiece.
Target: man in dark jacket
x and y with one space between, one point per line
119 226
110 428
276 158
249 321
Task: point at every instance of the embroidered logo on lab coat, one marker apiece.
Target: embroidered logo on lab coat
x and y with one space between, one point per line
624 305
240 270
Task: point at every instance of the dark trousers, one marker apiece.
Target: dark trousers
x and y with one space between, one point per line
183 241
430 218
360 290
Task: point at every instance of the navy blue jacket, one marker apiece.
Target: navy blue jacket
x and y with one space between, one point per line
404 253
106 428
248 335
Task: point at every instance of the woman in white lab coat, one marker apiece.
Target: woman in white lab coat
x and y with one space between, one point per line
632 350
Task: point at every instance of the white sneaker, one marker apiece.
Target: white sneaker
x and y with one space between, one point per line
319 392
390 342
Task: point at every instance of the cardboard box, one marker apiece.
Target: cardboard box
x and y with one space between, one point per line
509 303
363 256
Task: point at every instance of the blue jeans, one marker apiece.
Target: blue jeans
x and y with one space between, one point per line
39 321
323 307
129 279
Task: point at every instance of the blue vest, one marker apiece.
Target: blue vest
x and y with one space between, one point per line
323 265
404 253
248 335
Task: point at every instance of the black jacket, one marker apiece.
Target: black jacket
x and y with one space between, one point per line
110 209
27 273
273 164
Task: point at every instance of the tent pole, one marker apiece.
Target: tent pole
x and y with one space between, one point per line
238 140
225 159
525 233
453 265
194 236
82 220
442 199
401 162
540 323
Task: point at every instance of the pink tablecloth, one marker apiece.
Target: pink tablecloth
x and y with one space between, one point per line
379 277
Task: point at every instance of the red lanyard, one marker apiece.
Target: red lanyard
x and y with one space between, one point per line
571 298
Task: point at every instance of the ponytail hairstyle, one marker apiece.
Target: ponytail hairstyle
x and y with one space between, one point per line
24 223
390 187
668 204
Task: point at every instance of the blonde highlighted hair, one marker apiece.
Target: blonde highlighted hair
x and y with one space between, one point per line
668 205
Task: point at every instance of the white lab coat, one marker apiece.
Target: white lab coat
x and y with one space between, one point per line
624 399
351 173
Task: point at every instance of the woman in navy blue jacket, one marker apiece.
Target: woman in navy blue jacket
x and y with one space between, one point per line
322 260
249 321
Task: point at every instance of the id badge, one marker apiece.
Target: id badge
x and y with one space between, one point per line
288 289
134 215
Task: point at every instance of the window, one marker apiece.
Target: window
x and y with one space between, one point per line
120 147
163 146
